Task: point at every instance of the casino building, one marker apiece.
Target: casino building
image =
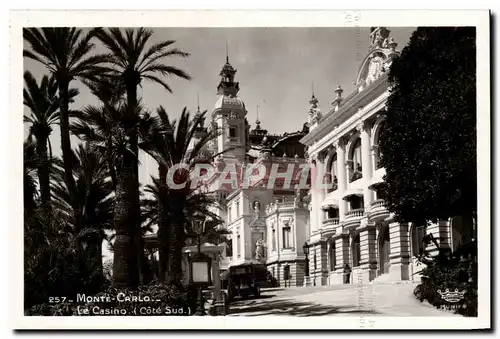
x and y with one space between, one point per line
349 223
345 223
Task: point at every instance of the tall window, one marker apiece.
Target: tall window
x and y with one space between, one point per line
286 236
238 245
229 216
229 249
356 202
315 262
332 173
378 154
356 170
356 251
332 213
232 132
237 209
333 257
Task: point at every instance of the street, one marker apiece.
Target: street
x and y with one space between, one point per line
337 300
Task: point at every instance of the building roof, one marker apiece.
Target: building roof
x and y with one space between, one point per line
227 102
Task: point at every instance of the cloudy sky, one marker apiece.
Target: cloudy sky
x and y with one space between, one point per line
276 70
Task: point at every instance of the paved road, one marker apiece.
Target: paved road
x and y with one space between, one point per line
340 300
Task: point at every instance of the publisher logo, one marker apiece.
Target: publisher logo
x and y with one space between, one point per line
452 296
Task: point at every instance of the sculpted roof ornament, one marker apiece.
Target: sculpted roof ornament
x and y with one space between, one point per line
314 112
378 37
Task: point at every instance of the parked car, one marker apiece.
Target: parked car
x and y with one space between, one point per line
245 280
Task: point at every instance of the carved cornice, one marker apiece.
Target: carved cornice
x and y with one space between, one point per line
377 88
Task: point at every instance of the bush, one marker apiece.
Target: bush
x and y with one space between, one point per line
451 271
154 299
55 266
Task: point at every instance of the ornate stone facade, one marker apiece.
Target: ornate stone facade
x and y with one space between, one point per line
349 221
265 225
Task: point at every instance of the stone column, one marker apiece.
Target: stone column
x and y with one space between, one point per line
442 233
321 188
399 251
341 177
367 164
314 200
368 244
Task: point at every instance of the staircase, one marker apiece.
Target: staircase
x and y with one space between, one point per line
384 279
381 279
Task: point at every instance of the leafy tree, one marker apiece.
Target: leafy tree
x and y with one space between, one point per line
131 63
65 52
428 145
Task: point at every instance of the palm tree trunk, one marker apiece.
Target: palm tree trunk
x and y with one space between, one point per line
176 204
131 88
163 226
43 173
110 162
67 154
125 262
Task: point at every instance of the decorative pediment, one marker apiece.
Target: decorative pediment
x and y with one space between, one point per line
378 61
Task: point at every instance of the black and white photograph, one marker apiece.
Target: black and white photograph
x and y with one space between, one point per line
279 174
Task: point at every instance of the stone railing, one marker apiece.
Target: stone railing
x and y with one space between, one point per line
288 204
356 213
378 203
331 222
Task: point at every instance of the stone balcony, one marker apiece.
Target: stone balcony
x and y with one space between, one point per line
378 211
353 217
331 222
329 226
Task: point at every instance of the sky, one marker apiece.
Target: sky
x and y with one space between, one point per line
277 69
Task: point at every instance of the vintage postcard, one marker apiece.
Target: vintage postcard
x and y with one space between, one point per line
250 170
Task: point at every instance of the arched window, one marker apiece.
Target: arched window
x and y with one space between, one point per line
332 172
356 170
378 154
333 256
356 251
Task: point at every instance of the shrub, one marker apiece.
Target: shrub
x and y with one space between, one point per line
452 271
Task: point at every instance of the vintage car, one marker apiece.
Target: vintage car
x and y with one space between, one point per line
245 280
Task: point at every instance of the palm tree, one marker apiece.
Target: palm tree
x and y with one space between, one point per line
172 144
29 181
131 63
94 124
88 210
156 212
65 52
43 102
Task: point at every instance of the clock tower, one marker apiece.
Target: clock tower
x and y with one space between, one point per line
229 117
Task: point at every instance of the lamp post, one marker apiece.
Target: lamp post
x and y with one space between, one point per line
307 279
201 264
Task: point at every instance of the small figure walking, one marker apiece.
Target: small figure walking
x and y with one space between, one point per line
347 274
